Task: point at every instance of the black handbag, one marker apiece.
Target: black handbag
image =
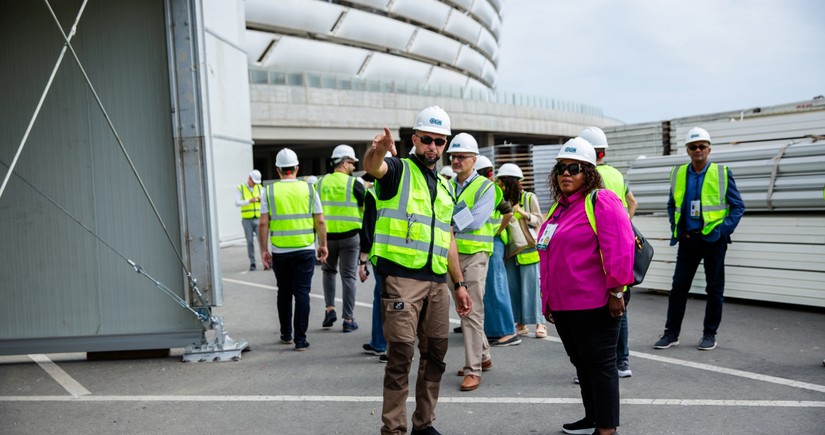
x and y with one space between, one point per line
642 257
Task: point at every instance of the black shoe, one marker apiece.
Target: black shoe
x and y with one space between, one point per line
252 266
286 339
512 341
426 431
457 330
580 427
668 339
708 342
349 325
300 347
372 351
383 358
329 318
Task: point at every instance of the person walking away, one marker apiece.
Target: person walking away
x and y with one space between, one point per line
499 325
586 248
475 199
413 249
291 213
248 198
343 200
521 259
704 208
615 182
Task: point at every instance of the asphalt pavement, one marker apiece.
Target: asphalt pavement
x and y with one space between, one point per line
765 377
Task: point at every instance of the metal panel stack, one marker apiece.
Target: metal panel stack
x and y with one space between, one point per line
628 142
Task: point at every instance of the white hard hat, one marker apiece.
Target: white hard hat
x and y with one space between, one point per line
595 136
697 134
510 170
286 158
255 175
463 143
578 149
482 162
447 171
433 120
343 152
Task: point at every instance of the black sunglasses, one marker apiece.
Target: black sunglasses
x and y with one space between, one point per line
698 147
572 168
426 140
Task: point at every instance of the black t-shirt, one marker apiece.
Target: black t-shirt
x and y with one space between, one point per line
387 188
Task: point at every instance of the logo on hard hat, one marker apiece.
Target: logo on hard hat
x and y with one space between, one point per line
435 121
570 149
694 135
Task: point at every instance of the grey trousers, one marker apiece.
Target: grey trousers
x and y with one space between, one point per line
250 228
343 257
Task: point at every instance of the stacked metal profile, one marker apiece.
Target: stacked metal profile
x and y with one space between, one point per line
778 252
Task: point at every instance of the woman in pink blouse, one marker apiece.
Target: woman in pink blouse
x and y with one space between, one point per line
583 275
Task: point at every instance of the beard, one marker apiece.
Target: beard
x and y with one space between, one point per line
423 159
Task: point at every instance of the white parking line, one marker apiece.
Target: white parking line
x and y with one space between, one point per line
643 355
441 400
72 386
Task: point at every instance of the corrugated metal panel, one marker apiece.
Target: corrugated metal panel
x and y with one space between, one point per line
777 258
628 142
57 280
544 158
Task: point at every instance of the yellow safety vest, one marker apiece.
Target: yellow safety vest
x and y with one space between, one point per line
495 219
614 181
714 189
529 255
291 224
253 209
411 225
480 240
341 210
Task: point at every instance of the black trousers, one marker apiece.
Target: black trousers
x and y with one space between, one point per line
589 337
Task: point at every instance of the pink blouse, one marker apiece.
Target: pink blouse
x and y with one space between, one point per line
573 275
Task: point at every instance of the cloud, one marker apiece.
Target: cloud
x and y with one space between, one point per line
643 60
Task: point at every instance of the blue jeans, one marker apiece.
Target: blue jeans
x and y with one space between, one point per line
377 340
622 351
498 311
692 250
293 273
523 280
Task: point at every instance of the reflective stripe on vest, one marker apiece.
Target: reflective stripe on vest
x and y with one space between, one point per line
291 224
480 240
714 188
529 255
614 181
253 209
412 224
341 211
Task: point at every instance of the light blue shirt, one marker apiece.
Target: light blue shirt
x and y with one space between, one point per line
483 208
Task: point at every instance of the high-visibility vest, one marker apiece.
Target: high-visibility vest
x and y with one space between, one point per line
495 218
614 181
714 188
341 211
412 224
480 240
529 255
253 209
291 224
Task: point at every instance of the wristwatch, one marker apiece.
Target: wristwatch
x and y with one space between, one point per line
460 284
618 295
362 262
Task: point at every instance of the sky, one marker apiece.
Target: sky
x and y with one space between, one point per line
653 60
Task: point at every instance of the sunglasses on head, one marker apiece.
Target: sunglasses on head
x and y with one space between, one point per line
572 168
426 140
698 147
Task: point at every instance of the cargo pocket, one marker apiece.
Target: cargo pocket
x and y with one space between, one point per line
399 320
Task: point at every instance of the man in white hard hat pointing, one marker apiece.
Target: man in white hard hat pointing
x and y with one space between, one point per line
413 250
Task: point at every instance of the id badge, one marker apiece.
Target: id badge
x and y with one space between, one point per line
696 209
546 235
462 217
